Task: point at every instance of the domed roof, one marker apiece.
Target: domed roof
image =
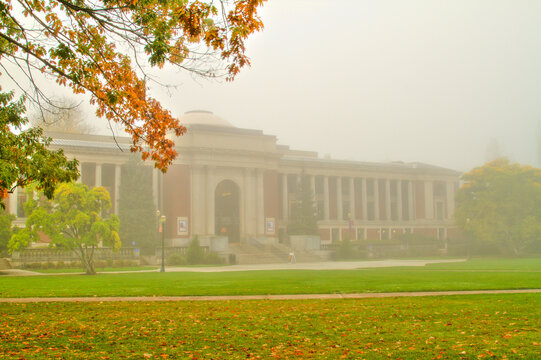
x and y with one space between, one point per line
202 117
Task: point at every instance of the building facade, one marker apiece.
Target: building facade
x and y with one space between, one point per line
240 183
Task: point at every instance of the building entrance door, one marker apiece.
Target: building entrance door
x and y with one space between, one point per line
227 211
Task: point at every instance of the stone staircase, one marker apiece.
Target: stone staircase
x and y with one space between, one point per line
5 264
254 253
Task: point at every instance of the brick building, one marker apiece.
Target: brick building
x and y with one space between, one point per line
240 183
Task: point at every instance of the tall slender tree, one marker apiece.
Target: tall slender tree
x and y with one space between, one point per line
136 207
303 220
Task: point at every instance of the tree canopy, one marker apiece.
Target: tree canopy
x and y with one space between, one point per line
101 48
500 204
73 222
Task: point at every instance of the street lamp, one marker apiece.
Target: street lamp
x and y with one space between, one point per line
162 229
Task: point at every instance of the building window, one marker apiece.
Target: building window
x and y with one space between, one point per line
345 210
320 206
439 210
21 200
360 234
371 210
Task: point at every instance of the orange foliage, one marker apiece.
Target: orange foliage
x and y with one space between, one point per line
76 42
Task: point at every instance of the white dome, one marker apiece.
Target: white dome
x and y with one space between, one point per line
203 117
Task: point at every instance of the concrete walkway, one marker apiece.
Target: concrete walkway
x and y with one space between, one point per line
264 297
324 265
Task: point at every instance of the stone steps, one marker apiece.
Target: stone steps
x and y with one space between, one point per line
5 264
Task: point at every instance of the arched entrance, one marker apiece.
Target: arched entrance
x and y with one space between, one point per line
227 210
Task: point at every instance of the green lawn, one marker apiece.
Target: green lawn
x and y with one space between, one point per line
471 327
107 269
492 264
475 275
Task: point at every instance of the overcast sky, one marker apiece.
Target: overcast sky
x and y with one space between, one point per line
428 81
423 80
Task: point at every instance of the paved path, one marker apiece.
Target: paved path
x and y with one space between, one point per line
324 265
264 297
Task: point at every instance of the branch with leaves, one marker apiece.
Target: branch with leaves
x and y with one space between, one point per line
82 44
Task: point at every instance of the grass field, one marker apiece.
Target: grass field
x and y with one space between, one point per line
107 269
472 275
471 327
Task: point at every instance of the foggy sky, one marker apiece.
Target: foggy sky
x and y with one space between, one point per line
386 80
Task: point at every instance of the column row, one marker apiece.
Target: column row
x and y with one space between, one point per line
371 199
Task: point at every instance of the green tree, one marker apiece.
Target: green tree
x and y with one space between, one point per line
136 208
303 220
499 204
5 231
194 253
24 157
73 222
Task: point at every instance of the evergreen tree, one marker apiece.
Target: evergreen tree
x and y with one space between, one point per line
303 220
136 208
6 230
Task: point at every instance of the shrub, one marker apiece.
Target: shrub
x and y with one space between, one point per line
195 253
176 259
213 258
60 265
346 251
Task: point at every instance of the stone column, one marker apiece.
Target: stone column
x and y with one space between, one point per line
388 199
326 197
13 201
260 202
429 199
210 201
411 207
245 213
155 191
196 201
98 175
313 186
376 199
352 197
117 186
399 199
339 206
285 203
450 198
364 199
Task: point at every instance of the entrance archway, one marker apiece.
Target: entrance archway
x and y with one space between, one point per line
227 210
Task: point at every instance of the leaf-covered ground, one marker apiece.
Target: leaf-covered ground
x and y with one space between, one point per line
472 327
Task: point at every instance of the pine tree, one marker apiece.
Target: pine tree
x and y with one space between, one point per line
303 220
136 208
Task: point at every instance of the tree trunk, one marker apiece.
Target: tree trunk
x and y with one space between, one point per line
87 261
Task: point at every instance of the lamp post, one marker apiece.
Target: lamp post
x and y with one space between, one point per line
162 229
